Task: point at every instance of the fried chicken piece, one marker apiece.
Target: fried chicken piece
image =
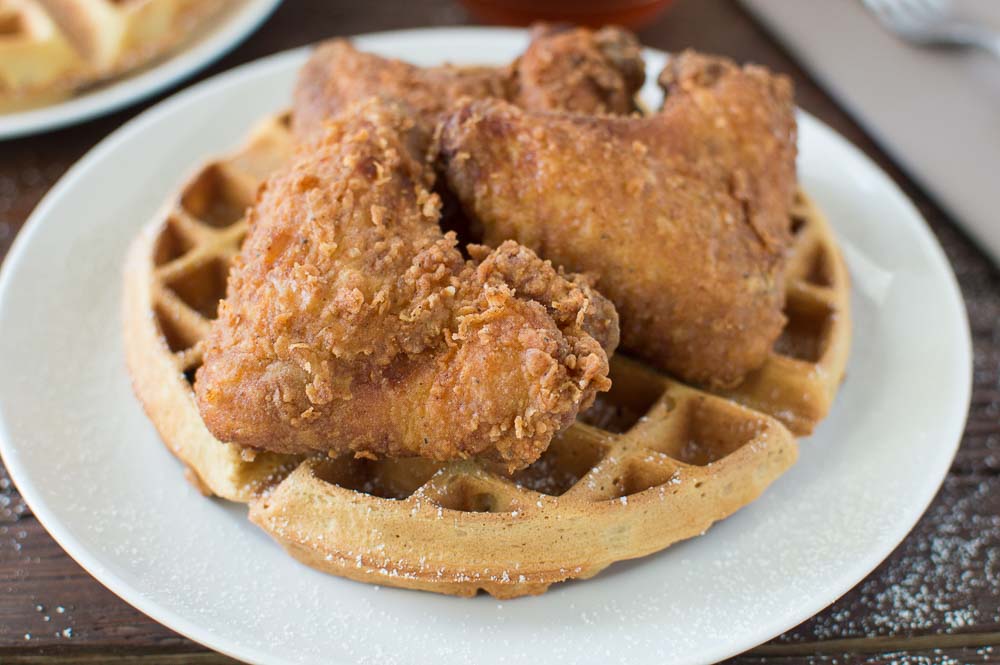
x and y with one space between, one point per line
682 215
352 323
577 69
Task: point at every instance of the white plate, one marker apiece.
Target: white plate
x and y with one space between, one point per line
91 467
233 28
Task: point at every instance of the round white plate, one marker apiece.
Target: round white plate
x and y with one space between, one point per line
233 28
93 470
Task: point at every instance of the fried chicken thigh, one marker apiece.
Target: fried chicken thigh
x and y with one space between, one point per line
575 69
682 215
352 323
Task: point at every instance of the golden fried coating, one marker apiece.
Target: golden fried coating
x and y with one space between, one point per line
682 215
576 69
353 323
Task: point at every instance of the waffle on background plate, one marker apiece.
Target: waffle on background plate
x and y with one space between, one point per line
51 48
654 462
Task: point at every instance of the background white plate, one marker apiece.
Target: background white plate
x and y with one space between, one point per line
231 29
94 472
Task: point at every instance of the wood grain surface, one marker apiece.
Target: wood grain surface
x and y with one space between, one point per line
935 600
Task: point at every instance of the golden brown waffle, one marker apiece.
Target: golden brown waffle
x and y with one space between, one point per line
652 463
798 382
49 48
175 275
36 59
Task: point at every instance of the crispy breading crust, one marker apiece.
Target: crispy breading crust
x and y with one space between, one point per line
352 322
575 69
579 70
682 215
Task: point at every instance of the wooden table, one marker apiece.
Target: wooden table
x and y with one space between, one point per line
935 600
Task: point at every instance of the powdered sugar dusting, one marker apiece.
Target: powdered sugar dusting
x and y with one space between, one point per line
944 578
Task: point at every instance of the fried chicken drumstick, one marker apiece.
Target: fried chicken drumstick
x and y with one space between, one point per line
352 323
573 69
682 215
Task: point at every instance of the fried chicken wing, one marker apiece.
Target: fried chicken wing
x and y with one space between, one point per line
352 323
577 69
682 215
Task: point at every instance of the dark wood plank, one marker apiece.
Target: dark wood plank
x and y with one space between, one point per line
152 657
893 656
944 580
939 589
46 600
982 642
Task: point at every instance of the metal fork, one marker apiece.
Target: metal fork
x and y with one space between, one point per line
932 23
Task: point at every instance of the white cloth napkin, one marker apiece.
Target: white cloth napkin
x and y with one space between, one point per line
935 111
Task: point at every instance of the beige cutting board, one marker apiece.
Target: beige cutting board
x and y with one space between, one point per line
936 111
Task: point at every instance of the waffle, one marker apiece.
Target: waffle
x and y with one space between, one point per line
36 59
50 48
801 376
653 462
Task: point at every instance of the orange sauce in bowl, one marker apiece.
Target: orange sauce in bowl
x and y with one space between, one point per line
592 13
